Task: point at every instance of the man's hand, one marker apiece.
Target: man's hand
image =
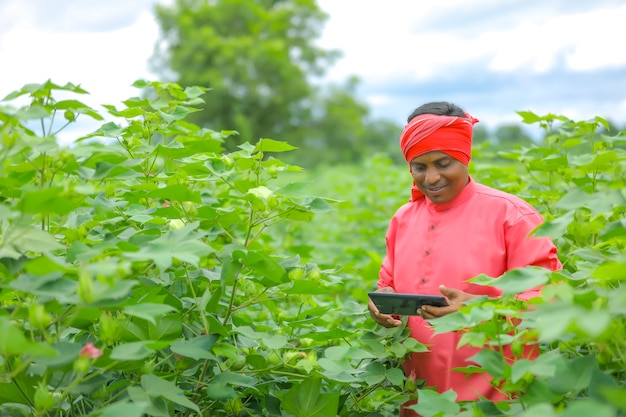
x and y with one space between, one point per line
455 297
385 320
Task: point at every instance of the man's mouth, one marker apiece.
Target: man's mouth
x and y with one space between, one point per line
436 189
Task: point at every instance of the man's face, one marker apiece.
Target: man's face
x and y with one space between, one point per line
439 176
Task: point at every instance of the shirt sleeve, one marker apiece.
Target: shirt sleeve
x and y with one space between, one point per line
524 250
385 276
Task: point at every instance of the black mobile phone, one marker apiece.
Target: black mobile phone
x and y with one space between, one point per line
404 304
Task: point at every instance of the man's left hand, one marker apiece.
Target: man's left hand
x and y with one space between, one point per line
455 297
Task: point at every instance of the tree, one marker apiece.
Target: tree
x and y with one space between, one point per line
256 56
480 135
342 130
509 135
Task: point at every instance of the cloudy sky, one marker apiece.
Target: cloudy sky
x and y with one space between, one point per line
491 57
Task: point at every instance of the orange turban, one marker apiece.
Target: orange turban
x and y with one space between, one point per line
429 132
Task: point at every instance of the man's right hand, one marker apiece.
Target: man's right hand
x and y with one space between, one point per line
385 320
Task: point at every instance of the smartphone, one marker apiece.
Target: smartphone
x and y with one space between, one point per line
404 304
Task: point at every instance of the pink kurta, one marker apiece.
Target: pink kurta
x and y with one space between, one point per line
482 231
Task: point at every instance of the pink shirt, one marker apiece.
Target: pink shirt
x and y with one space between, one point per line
482 231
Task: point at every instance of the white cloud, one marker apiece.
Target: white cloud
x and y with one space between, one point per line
72 15
396 40
104 64
442 47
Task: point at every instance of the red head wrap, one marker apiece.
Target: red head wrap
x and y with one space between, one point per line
451 135
429 132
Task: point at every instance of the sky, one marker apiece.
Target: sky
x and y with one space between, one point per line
492 58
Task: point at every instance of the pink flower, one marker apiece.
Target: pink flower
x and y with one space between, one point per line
90 351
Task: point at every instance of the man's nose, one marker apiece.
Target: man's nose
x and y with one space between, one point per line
432 176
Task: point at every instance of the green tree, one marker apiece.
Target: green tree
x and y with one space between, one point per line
509 135
257 57
480 135
343 130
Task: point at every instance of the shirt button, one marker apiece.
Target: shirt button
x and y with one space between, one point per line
432 227
423 280
427 253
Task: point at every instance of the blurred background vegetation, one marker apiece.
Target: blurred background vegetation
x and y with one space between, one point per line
260 60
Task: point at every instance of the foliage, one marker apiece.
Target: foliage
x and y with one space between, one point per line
144 271
510 135
137 274
263 67
255 56
576 178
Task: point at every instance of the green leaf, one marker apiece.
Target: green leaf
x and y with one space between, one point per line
34 111
183 244
196 348
271 272
539 392
78 107
375 373
336 352
120 409
588 407
611 271
220 392
614 395
156 386
553 320
112 296
306 287
66 353
543 366
318 205
540 409
13 342
133 351
262 192
50 200
517 280
598 202
215 326
270 145
21 239
555 228
491 361
179 113
593 322
573 376
257 362
395 376
430 403
111 130
51 285
275 341
176 192
195 91
529 117
238 380
329 334
168 327
148 311
43 265
307 400
19 394
294 189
